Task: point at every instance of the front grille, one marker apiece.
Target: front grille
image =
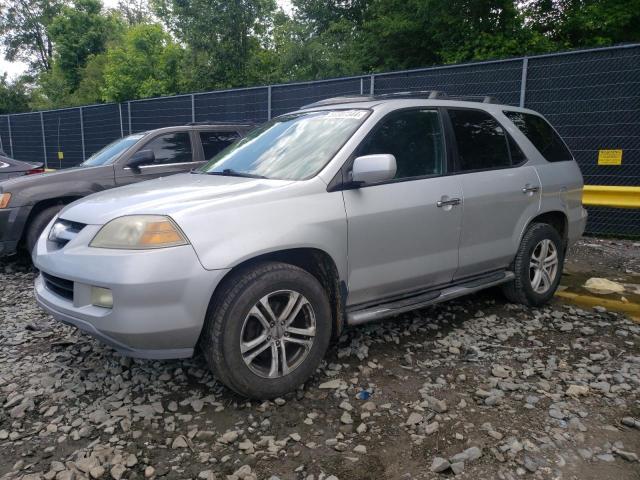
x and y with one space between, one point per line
63 231
59 286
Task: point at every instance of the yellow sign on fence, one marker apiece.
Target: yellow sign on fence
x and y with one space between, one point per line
609 157
60 155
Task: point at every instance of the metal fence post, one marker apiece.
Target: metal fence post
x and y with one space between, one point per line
1 146
361 85
269 102
120 112
193 108
10 135
129 114
372 87
84 157
523 80
44 142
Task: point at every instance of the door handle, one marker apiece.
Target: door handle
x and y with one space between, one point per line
530 189
444 203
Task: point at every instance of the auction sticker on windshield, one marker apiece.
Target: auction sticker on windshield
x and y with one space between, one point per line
357 114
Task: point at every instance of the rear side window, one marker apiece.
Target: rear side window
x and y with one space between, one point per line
542 135
414 137
215 142
481 141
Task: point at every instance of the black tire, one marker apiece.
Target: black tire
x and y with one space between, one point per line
521 289
37 226
223 328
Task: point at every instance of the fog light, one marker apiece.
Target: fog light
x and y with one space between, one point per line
101 297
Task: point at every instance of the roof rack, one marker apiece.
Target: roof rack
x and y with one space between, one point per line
337 100
427 94
474 98
424 94
212 122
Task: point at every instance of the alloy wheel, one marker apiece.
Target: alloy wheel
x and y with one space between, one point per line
543 266
278 333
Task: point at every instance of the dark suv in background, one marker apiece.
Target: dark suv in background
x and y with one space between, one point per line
27 204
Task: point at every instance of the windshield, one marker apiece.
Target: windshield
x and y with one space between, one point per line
290 147
109 153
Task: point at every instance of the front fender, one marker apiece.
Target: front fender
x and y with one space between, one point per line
227 236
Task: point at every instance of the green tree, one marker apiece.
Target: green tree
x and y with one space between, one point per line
585 23
304 54
78 32
222 38
412 33
92 81
134 11
52 89
322 14
24 31
14 96
146 64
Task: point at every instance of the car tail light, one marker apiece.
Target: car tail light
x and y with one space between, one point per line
33 171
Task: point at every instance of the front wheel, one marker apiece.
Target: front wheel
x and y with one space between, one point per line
38 224
267 330
537 266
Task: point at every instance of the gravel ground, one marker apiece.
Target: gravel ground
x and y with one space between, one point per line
478 388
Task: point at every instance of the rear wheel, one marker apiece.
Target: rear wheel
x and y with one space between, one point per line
267 330
537 266
38 224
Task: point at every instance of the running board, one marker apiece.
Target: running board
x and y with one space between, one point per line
385 310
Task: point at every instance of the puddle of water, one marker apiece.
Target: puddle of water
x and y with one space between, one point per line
572 290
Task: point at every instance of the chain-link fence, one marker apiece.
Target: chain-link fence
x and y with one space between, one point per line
591 96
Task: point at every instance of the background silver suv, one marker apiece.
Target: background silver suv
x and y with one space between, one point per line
347 211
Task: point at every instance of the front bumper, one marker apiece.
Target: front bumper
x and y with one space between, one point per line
12 221
160 297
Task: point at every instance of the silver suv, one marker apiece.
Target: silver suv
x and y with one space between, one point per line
347 211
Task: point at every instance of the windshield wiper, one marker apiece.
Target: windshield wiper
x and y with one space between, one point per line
228 172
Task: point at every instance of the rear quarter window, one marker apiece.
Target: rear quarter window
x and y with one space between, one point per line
542 135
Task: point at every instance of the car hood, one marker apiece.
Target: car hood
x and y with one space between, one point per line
71 182
174 196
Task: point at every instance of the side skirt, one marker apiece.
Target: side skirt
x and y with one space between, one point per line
420 300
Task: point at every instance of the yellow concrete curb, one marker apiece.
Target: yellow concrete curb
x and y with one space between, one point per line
632 309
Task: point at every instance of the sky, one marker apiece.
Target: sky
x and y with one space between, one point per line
14 69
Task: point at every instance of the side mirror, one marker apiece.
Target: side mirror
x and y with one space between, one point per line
373 168
143 157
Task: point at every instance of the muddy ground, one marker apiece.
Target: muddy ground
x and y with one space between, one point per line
477 388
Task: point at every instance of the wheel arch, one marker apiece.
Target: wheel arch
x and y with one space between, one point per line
556 218
317 262
42 205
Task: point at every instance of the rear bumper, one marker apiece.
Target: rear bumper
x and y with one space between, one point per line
577 226
12 222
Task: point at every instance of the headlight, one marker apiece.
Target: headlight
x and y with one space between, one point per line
138 232
4 200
